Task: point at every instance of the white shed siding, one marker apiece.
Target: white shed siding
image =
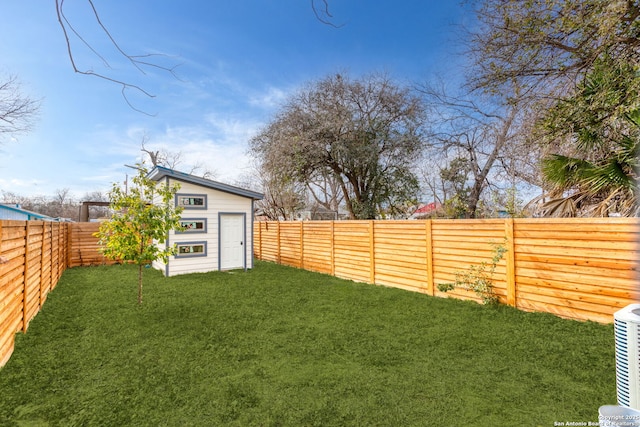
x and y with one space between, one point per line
217 202
159 264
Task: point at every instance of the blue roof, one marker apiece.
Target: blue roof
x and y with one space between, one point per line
159 172
16 212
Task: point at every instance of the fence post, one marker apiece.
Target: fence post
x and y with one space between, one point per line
333 249
429 239
44 229
67 234
1 264
300 246
24 277
260 240
51 256
511 263
58 260
65 246
372 252
278 254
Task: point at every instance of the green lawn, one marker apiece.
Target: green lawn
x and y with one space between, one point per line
276 346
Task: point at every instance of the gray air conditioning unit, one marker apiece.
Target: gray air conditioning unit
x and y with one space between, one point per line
626 324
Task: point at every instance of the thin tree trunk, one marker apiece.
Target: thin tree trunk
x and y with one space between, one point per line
139 283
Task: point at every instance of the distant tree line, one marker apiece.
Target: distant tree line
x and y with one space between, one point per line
61 205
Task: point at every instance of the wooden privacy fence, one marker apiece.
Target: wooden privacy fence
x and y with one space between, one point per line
579 268
83 247
36 257
37 254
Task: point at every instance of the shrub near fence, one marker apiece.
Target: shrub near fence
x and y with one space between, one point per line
579 268
38 253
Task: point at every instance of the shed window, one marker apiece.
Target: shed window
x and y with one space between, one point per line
193 225
191 201
191 249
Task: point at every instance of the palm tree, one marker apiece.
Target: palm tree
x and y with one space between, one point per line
600 175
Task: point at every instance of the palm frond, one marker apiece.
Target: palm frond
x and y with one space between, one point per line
563 171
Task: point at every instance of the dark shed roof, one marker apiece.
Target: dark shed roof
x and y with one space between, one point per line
159 172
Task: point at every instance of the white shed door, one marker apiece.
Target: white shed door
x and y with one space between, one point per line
232 244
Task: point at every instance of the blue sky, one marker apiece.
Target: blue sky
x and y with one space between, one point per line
237 62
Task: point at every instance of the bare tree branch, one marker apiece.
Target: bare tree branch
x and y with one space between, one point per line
17 111
154 156
135 60
139 62
322 12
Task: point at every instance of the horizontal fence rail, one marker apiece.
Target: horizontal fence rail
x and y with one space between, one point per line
578 268
35 254
84 249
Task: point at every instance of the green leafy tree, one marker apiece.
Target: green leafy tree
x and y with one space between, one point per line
144 215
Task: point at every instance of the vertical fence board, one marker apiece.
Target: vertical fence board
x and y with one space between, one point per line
258 244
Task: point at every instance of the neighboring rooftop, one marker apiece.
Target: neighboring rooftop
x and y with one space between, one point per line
15 212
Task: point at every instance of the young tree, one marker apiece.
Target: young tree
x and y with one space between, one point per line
366 134
143 216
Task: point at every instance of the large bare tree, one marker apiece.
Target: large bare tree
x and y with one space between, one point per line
480 139
365 133
547 46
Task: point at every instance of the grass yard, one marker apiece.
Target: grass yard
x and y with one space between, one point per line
276 346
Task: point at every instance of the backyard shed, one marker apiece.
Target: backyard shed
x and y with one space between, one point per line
219 225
